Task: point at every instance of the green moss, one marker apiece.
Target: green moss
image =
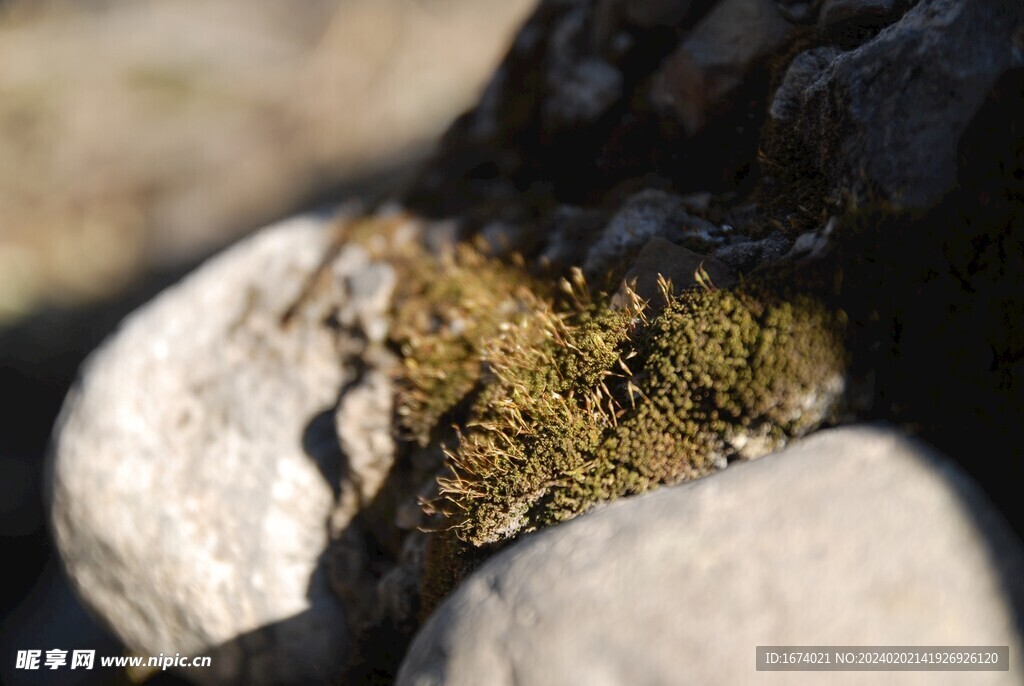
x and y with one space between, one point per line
447 308
592 404
562 400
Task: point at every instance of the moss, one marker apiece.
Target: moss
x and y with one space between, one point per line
563 400
446 309
593 404
543 414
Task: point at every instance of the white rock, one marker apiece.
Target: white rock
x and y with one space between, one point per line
188 514
855 536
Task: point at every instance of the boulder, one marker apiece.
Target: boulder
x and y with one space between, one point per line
195 464
882 122
854 536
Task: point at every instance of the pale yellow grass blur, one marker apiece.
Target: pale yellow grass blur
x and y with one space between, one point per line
137 133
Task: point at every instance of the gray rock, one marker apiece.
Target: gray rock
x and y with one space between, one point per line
646 215
365 435
580 86
812 245
854 536
570 235
190 484
882 122
745 255
805 69
714 58
581 93
660 258
367 292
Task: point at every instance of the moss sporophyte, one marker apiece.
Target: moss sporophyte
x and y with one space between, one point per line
562 399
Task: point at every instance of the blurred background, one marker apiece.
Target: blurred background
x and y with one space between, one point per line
137 137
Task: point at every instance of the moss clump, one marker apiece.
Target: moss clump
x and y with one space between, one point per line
593 403
543 413
447 307
561 400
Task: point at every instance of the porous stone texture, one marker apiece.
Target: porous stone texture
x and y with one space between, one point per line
585 91
191 482
363 426
882 122
854 536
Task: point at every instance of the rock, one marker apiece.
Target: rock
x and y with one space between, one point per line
715 57
743 256
585 91
660 258
882 122
581 86
804 70
570 234
645 215
363 425
368 287
812 245
855 536
192 477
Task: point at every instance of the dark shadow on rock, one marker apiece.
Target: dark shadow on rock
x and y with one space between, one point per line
1004 546
244 658
938 297
320 442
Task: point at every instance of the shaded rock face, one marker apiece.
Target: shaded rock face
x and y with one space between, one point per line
882 122
813 102
854 536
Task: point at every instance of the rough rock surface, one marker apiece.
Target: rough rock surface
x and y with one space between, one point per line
190 485
855 536
648 214
581 85
882 122
745 255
